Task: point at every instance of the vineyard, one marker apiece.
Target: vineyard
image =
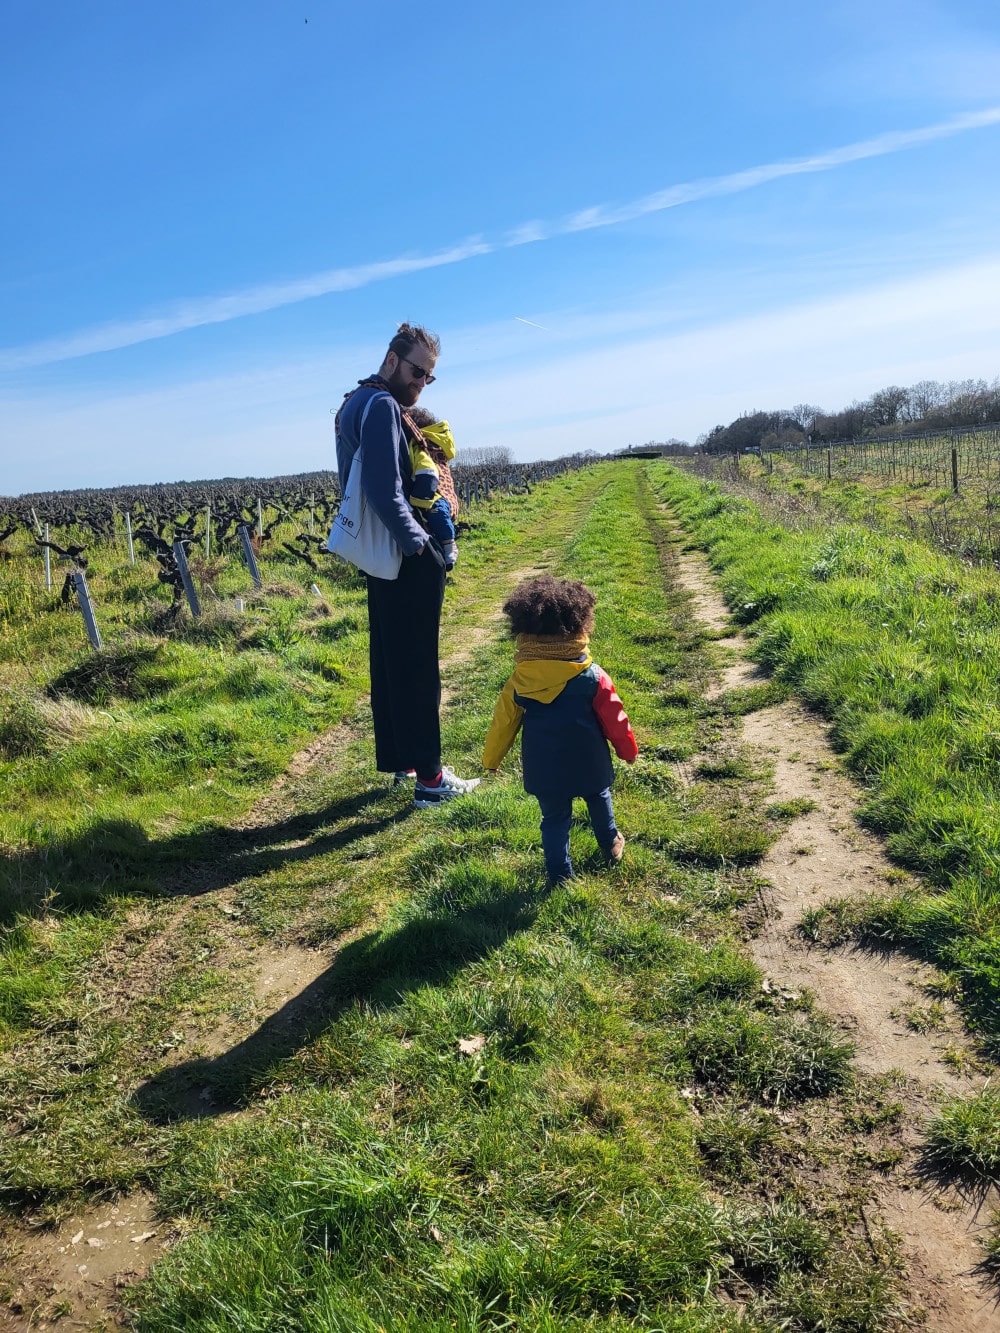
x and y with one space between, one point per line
946 459
171 527
942 487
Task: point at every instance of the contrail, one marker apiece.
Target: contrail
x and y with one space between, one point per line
532 323
197 312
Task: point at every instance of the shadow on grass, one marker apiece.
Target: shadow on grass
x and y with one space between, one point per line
874 926
378 969
115 858
938 1172
977 1193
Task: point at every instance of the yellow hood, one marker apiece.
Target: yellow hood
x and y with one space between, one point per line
545 680
440 434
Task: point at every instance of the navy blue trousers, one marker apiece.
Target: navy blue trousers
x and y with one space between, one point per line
557 815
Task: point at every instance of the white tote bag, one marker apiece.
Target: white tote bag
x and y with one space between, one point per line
358 534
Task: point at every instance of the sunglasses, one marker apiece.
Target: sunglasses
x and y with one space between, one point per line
419 371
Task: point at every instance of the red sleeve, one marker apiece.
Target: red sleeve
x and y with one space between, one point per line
613 719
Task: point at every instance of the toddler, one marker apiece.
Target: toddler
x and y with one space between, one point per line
569 710
433 492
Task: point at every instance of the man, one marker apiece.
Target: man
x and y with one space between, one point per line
404 614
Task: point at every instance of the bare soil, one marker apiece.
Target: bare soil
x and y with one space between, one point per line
70 1277
826 854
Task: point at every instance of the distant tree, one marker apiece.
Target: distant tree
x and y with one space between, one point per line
708 440
803 415
927 405
886 406
788 436
923 397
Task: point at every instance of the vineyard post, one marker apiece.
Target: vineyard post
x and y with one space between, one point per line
128 534
182 567
48 563
829 463
79 581
312 514
954 468
38 526
260 520
208 531
249 556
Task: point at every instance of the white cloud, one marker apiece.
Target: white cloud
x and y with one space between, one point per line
216 310
541 397
893 142
219 309
941 326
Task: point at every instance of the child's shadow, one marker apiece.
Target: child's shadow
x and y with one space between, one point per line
378 969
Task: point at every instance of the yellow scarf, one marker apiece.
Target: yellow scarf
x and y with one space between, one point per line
550 647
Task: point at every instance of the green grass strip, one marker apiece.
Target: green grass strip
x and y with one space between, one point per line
900 647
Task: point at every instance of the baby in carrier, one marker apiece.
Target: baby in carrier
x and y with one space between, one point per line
433 495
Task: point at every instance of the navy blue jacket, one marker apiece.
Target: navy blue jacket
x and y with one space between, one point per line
563 749
386 475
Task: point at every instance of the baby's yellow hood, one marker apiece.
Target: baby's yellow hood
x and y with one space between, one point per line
440 434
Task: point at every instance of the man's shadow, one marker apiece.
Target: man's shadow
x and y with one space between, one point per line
377 969
111 858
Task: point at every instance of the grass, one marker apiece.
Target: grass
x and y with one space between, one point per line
961 524
898 646
965 1137
496 1105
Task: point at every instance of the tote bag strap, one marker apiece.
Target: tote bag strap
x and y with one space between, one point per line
364 417
356 460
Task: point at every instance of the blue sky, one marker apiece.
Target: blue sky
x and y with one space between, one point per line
215 215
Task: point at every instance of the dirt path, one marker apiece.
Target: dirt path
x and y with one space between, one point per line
878 1000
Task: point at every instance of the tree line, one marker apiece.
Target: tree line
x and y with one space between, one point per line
925 406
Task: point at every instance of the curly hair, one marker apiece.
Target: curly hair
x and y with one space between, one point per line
563 607
408 336
421 417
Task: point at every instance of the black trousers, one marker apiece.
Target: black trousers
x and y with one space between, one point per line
404 621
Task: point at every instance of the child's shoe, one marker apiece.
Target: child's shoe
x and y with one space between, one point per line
402 775
617 850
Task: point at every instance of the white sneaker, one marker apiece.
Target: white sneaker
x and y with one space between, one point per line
450 787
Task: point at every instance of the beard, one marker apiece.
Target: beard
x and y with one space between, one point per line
403 389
